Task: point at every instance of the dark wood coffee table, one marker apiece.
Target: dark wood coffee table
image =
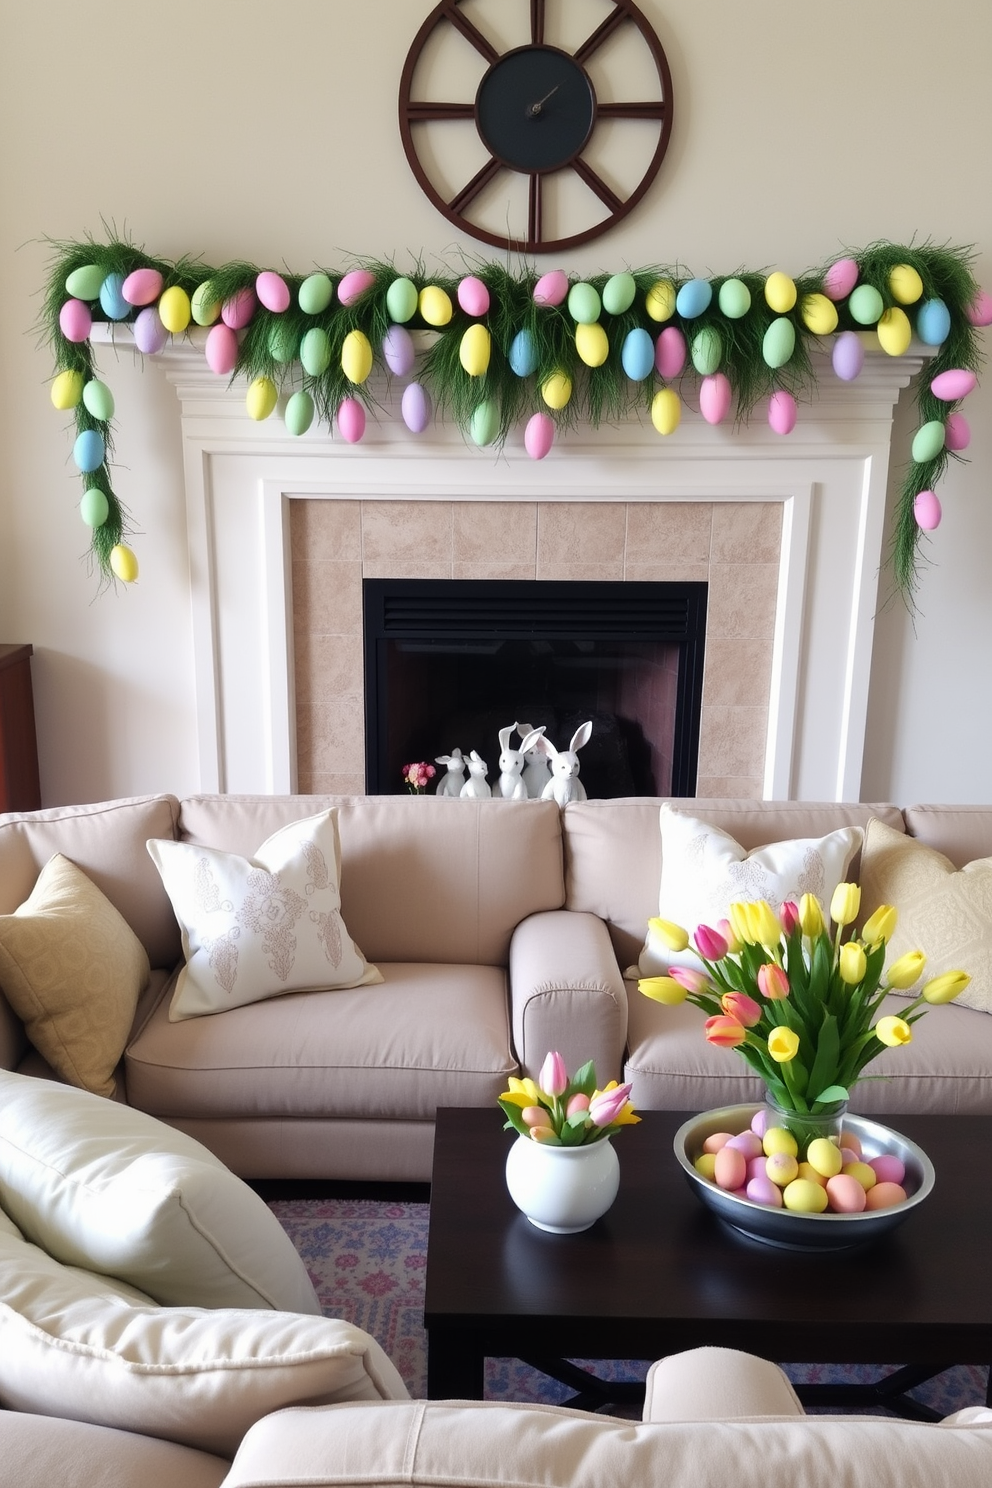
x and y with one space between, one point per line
660 1273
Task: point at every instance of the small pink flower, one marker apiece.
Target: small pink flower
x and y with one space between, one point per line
789 915
726 929
554 1076
690 979
738 1005
710 944
773 982
724 1031
606 1105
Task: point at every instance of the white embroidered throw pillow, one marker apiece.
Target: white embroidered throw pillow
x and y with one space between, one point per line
260 927
704 870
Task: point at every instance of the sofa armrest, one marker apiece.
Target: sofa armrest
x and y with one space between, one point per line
567 993
717 1384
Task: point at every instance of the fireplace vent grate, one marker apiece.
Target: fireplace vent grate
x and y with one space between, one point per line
644 610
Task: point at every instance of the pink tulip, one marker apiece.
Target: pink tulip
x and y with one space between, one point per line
710 944
726 929
789 915
554 1076
724 1031
738 1005
606 1105
773 982
690 979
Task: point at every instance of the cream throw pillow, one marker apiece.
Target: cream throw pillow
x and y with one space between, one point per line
945 912
704 870
260 927
72 969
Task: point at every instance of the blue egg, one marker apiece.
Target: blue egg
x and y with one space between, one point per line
693 298
112 302
933 322
522 355
637 354
89 450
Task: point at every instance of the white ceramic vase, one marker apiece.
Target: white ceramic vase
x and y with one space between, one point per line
562 1189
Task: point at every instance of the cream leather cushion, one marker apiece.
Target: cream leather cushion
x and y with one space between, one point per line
258 927
72 969
945 912
96 1350
103 1186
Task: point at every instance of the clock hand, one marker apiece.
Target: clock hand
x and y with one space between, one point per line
535 109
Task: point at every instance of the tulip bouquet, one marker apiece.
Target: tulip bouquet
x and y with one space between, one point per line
798 1003
562 1112
418 776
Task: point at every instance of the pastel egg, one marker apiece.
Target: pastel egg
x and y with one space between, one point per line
142 287
351 420
734 298
584 304
761 1121
807 1171
804 1197
865 304
354 284
888 1168
221 350
762 1190
714 398
475 349
666 410
89 450
592 343
150 335
473 295
315 293
67 389
779 1139
94 508
824 1156
850 1143
848 356
203 305
174 309
730 1169
780 292
299 413
415 407
885 1196
539 435
484 423
556 389
933 322
845 1194
894 331
782 411
819 314
356 356
84 283
978 312
716 1141
282 342
861 1172
670 353
840 279
928 441
927 510
261 398
315 351
75 320
957 432
659 302
123 563
272 291
551 288
618 293
637 354
779 341
522 355
747 1142
98 399
238 311
693 298
705 1164
905 284
956 382
435 305
401 300
398 350
781 1168
706 350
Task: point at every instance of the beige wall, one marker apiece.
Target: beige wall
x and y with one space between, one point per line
248 130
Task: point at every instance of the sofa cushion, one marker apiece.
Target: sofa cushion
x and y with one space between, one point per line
106 1187
94 1350
72 968
262 926
45 1451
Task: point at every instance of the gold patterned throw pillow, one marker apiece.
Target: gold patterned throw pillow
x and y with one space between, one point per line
255 928
72 969
944 911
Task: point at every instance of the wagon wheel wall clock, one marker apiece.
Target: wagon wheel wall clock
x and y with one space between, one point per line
540 140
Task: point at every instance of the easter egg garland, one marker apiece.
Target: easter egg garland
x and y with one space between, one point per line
510 343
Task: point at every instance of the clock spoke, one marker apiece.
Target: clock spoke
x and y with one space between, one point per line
596 183
602 33
648 109
478 183
534 209
471 33
418 111
537 22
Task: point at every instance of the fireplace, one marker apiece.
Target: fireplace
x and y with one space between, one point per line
448 663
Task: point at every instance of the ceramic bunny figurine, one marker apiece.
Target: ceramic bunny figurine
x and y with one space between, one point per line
537 770
510 786
476 787
565 785
452 781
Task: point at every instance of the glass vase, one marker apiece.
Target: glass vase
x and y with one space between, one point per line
806 1126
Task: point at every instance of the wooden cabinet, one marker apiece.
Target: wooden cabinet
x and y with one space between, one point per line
20 789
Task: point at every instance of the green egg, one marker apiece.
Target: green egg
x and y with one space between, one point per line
315 352
94 508
299 412
618 293
203 307
779 342
84 283
706 350
928 441
584 303
315 294
865 305
98 399
484 423
282 342
734 298
402 300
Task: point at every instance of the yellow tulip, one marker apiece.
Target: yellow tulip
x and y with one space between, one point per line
853 963
766 923
783 1044
945 988
845 903
665 990
893 1031
740 923
907 970
810 916
670 934
880 925
525 1087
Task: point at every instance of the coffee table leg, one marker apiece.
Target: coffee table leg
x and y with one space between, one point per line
456 1369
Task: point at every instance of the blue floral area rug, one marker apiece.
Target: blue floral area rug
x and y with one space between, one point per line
367 1260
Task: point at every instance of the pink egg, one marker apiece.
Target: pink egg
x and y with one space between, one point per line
762 1190
885 1196
849 1155
150 334
239 309
473 296
272 291
221 349
142 287
840 279
845 1194
539 435
756 1167
551 288
761 1121
956 383
353 286
75 320
782 411
888 1168
714 398
747 1142
351 420
957 432
716 1140
848 356
731 1168
979 312
927 510
670 353
415 406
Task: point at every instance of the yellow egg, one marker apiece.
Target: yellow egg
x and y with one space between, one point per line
174 309
356 356
435 305
123 563
592 344
556 390
474 350
261 398
865 1175
807 1170
67 389
894 331
779 1139
804 1197
819 314
666 410
824 1156
780 292
706 1164
905 284
660 300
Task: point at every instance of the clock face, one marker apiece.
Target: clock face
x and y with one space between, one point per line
539 142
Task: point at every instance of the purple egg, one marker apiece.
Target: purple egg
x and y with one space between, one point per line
956 382
714 398
747 1142
764 1191
221 349
539 435
415 407
150 334
670 353
756 1167
272 291
239 309
75 320
840 279
957 432
761 1121
351 420
927 511
398 350
782 411
848 356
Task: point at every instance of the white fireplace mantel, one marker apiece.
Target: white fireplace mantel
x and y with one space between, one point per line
830 475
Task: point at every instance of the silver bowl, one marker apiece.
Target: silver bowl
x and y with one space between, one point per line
794 1231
